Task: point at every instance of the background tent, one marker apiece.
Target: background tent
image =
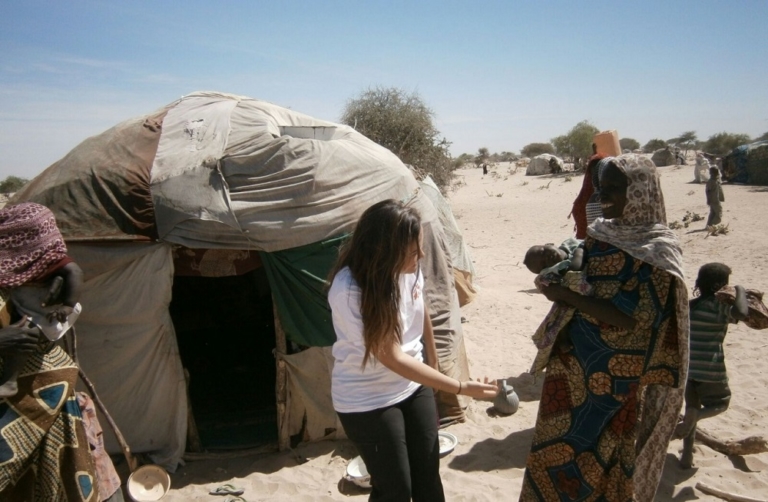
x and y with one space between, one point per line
663 157
193 225
463 268
540 164
747 164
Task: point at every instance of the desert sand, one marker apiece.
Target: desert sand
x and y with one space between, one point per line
501 215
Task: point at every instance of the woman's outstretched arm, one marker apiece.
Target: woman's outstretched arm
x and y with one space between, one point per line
408 367
601 309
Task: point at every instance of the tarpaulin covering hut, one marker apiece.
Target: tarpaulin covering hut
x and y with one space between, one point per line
193 224
747 164
543 164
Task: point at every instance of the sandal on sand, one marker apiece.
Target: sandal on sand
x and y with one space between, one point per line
228 489
235 499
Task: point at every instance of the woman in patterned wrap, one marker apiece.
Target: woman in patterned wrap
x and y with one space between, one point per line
628 354
44 452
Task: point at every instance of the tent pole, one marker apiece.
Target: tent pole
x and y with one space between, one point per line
281 387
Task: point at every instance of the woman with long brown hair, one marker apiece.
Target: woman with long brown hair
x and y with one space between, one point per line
381 386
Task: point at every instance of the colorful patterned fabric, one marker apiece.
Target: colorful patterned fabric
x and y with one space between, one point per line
557 318
106 476
30 243
44 453
709 325
589 439
584 444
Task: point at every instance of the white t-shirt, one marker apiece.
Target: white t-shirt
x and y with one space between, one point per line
354 388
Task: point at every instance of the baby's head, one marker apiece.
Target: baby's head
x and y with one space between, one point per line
537 258
712 277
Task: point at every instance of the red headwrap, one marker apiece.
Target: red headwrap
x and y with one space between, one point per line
30 243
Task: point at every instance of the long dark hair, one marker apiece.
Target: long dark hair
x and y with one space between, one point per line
376 255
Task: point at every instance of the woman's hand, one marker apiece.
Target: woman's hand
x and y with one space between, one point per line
18 338
486 389
554 292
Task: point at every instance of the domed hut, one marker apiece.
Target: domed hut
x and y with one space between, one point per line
206 230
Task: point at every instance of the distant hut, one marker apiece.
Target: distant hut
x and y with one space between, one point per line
541 164
664 157
747 164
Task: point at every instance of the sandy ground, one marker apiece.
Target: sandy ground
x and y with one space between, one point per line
501 215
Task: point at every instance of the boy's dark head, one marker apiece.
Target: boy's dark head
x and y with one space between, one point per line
537 258
714 172
712 277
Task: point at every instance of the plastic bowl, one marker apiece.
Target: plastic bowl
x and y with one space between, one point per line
358 473
148 483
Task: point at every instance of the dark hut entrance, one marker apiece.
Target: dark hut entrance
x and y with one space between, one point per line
226 335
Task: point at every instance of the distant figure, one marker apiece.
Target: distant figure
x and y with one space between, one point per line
706 392
554 166
715 197
579 210
701 168
594 205
485 168
679 157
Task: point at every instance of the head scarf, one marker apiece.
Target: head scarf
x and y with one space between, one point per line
30 242
641 231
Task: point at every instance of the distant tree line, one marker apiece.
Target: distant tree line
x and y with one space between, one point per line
403 123
576 145
12 184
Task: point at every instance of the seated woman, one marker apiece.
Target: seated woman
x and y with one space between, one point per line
44 452
628 351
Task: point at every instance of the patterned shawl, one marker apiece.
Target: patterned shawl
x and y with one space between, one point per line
642 232
30 242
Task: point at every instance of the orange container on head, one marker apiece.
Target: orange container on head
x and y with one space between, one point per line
607 143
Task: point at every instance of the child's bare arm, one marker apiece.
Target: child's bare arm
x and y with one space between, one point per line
740 309
577 261
72 276
73 283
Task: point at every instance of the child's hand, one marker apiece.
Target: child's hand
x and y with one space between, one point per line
60 313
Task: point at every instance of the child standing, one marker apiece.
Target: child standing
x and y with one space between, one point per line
706 392
715 196
42 282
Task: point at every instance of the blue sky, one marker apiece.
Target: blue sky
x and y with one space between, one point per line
497 74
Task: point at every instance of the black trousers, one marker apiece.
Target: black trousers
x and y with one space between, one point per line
400 448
